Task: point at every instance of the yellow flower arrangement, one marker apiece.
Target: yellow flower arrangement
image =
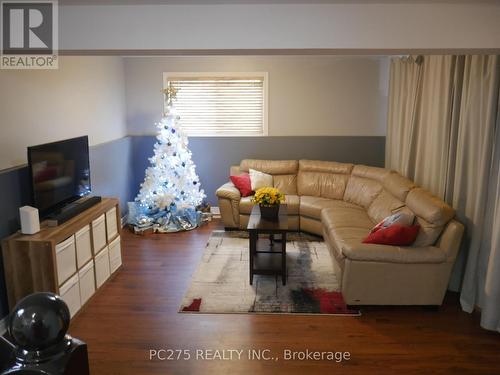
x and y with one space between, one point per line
268 196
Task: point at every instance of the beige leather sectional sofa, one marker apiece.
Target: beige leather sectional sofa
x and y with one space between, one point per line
342 202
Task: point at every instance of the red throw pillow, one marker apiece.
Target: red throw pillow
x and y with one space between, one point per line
397 235
242 182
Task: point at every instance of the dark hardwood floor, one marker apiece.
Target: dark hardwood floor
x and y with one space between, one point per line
137 311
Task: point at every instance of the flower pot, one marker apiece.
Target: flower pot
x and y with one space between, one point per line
269 212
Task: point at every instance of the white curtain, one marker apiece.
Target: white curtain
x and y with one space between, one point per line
429 153
475 190
490 317
452 146
404 81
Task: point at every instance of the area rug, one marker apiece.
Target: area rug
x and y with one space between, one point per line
221 281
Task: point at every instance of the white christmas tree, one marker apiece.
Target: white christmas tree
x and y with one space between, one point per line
171 182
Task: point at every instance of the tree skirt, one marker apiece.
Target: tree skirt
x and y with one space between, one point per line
221 281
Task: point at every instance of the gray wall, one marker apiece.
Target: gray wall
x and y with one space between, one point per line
307 95
214 155
111 176
86 95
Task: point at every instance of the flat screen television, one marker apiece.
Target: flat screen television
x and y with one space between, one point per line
59 173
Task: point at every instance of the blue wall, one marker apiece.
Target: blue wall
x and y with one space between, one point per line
111 176
112 172
14 185
214 155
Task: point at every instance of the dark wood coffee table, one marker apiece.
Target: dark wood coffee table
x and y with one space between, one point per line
266 257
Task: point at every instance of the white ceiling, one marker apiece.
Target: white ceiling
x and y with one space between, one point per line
211 2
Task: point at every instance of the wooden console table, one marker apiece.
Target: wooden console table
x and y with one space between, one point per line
265 259
73 259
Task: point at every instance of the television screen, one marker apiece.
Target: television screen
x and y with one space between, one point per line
60 173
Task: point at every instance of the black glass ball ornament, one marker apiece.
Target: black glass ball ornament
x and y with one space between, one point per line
195 182
39 321
173 131
183 164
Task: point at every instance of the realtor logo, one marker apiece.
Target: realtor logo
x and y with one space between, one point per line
29 35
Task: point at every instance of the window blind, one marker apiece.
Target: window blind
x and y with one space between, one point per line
220 105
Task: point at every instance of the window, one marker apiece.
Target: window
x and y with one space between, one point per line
215 104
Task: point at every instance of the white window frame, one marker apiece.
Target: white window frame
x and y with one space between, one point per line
265 96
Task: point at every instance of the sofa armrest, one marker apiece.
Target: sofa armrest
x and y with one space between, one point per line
229 201
228 191
451 239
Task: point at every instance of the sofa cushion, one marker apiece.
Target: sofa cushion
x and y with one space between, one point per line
428 233
372 173
325 166
348 233
428 207
432 215
337 238
246 205
234 170
346 217
292 204
273 167
385 204
333 185
312 206
318 184
308 184
362 191
325 179
286 183
291 201
355 250
347 244
398 185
